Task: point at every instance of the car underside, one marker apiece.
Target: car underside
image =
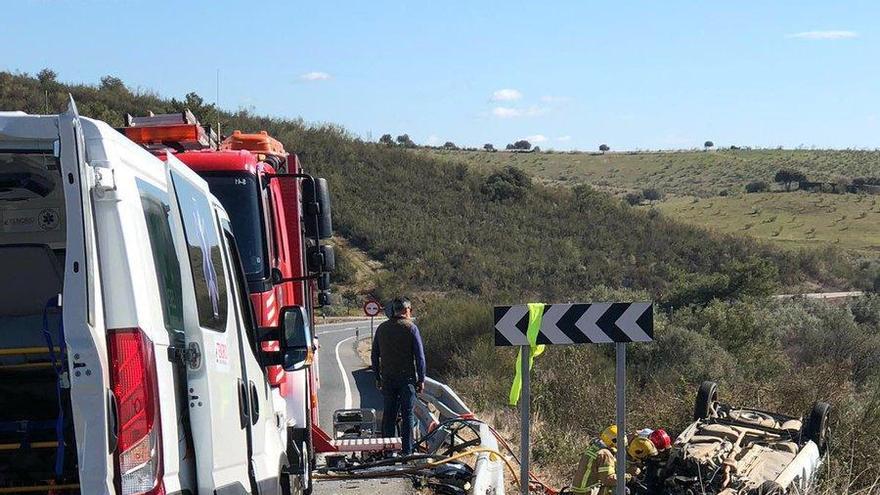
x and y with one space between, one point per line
740 451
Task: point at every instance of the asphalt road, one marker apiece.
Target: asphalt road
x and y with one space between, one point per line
347 383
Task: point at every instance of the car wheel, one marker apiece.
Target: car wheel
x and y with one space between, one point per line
816 426
707 397
768 488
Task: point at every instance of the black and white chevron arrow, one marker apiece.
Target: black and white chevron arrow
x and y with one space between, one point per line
594 323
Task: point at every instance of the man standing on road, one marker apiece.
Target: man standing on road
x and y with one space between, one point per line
398 360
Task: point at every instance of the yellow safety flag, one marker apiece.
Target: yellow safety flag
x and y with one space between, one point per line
536 314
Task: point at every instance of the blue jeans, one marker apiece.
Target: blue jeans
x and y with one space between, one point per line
399 399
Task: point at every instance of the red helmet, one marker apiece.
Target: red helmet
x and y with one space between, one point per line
660 439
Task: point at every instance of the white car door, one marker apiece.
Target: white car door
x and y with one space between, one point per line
266 430
218 394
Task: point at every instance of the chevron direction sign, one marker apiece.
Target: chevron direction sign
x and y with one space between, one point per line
594 323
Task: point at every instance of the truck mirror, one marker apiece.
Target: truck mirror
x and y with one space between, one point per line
321 259
324 282
324 298
316 208
296 338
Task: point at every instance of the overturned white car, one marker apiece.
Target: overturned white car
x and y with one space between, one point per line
740 451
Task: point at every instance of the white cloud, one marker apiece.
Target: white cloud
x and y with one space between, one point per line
506 95
509 112
564 138
506 112
536 138
434 140
315 76
555 99
824 35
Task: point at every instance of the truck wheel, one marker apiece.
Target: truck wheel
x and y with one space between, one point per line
707 397
816 425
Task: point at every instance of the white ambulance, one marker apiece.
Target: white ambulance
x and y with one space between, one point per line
129 361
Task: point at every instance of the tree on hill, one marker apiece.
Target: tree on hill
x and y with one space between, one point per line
405 141
47 77
708 144
787 177
488 147
387 140
604 147
449 145
111 83
522 144
536 149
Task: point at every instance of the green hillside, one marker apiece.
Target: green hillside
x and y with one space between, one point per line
720 178
442 227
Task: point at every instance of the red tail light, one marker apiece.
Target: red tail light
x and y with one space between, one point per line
134 383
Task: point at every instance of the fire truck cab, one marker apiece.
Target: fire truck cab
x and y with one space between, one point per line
279 215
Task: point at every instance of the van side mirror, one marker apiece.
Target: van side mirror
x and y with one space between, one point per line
316 208
295 337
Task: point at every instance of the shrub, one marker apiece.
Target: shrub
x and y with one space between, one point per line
757 187
634 198
509 183
652 194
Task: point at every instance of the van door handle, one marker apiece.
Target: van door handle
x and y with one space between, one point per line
255 404
243 406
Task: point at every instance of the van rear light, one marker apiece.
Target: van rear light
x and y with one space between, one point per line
134 383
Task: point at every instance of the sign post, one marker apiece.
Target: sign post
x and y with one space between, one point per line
524 403
371 309
621 418
564 324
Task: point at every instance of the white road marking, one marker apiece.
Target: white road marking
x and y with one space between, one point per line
344 374
337 331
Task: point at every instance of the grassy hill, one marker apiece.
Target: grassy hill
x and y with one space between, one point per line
685 173
467 237
814 219
796 218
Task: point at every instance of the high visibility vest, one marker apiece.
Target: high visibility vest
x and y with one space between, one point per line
585 469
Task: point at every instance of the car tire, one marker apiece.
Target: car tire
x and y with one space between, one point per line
816 425
768 488
707 397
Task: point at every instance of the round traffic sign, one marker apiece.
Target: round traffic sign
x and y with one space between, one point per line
372 308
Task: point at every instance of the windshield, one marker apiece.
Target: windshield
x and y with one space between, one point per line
238 193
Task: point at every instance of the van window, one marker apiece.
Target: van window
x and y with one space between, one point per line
203 242
248 323
167 266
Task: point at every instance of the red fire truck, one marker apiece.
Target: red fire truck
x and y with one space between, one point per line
280 216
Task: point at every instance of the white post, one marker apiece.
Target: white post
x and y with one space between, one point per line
371 329
621 419
524 401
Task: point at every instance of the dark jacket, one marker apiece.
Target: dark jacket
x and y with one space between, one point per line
398 354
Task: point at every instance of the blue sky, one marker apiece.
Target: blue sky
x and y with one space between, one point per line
568 74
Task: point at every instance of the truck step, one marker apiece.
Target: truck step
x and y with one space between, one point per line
367 444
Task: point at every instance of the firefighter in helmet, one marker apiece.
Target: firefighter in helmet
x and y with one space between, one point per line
596 471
